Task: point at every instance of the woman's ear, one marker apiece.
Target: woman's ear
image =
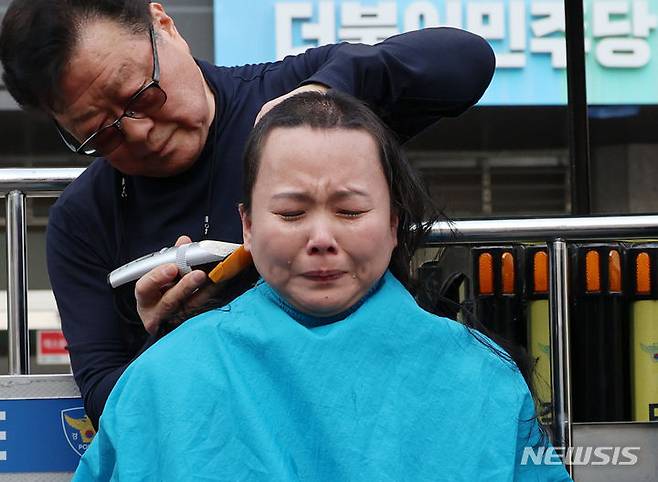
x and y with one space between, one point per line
246 227
394 227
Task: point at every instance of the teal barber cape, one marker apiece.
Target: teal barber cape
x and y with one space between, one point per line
258 391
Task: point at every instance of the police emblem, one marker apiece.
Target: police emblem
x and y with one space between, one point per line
78 429
652 350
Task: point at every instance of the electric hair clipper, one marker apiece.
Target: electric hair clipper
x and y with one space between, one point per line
232 259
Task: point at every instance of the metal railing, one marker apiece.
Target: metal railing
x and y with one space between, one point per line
17 184
555 232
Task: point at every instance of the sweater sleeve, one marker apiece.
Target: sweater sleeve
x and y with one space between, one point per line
411 80
96 338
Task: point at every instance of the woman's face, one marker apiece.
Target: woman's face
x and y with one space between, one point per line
320 230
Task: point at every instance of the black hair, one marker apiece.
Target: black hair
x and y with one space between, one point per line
410 200
38 38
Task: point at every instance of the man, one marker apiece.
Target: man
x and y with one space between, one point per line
119 82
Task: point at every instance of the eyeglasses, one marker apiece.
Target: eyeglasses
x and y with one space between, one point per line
145 102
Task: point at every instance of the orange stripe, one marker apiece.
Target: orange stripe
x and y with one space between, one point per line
485 268
540 272
614 271
643 274
592 272
508 273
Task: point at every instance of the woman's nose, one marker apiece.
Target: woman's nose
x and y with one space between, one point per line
321 239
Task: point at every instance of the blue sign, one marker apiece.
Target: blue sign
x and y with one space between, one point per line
45 435
527 36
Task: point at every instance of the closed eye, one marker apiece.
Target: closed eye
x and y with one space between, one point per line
290 215
350 214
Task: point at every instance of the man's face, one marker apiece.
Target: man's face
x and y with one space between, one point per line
108 65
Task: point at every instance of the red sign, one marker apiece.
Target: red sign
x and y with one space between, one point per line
51 348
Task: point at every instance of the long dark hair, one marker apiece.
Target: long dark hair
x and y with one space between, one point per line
410 200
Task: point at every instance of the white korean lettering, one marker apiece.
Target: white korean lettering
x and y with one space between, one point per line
368 24
517 38
486 19
517 27
556 47
551 21
603 24
643 20
418 11
623 52
454 13
322 32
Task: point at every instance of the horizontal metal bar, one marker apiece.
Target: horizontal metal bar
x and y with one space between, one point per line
37 181
37 386
628 423
545 229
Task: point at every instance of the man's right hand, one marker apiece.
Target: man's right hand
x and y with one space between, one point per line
159 295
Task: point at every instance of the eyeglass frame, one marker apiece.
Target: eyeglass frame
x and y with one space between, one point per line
155 82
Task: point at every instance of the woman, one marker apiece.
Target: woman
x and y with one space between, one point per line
327 369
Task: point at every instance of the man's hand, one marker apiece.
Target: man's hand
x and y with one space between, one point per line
159 296
304 88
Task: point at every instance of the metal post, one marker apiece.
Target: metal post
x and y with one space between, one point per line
578 123
559 327
19 356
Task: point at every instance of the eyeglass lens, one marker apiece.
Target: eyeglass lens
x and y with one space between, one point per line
147 102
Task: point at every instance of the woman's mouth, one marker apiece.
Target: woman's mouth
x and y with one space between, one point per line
323 276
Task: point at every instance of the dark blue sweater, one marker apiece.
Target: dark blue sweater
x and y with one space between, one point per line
99 223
